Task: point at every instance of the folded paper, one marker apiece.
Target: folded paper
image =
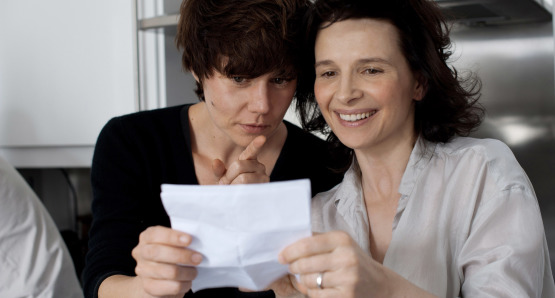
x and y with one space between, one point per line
239 229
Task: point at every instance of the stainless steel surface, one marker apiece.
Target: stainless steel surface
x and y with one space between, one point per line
515 64
496 12
470 12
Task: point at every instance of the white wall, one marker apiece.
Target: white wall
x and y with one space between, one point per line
66 67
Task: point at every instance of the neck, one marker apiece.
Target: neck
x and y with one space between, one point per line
383 168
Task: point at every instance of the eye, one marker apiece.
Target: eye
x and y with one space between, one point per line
238 79
372 71
328 74
280 81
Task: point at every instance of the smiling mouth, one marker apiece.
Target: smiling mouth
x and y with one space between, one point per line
356 117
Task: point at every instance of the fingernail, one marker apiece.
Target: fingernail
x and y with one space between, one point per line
196 258
184 239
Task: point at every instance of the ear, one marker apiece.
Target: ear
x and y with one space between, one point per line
420 88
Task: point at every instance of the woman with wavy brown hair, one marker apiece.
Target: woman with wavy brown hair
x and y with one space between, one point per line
423 210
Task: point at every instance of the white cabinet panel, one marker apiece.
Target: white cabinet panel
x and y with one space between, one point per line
66 67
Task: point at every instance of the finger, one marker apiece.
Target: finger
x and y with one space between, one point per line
157 270
242 167
218 168
325 293
304 248
300 286
314 245
310 281
331 284
166 254
313 264
253 149
285 286
250 178
165 235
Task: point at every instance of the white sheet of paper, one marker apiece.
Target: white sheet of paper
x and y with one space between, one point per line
240 229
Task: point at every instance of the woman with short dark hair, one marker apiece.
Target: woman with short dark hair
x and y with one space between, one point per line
245 56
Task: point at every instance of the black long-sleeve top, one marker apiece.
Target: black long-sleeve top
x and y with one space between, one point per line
135 154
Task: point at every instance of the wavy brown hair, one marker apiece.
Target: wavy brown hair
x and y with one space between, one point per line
241 37
450 106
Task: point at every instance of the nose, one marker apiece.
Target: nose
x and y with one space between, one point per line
348 89
259 102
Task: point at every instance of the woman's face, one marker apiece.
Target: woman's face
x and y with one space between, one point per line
242 108
364 86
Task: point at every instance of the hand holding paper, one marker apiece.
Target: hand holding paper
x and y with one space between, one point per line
158 254
240 229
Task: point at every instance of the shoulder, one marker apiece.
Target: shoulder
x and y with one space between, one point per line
298 135
483 158
322 209
16 196
143 128
10 190
325 201
493 152
302 146
33 255
147 119
307 147
487 147
305 155
138 141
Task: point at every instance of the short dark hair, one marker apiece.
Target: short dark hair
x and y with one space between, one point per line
241 37
450 105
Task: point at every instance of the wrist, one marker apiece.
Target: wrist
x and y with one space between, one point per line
121 286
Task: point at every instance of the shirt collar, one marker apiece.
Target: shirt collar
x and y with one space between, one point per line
420 157
351 183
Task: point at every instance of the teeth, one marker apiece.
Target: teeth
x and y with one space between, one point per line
356 117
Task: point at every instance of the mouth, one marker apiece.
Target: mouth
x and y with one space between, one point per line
353 117
254 128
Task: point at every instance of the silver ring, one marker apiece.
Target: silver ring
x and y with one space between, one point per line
319 280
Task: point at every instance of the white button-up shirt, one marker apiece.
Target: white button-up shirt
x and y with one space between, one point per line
34 261
467 223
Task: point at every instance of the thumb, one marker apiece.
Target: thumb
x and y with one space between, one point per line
218 168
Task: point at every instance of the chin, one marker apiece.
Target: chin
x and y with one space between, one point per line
349 143
244 140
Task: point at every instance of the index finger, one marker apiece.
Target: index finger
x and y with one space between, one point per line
253 149
165 235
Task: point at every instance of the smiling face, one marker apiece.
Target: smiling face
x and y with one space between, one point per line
242 108
364 85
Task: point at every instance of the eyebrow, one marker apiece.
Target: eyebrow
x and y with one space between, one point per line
360 61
